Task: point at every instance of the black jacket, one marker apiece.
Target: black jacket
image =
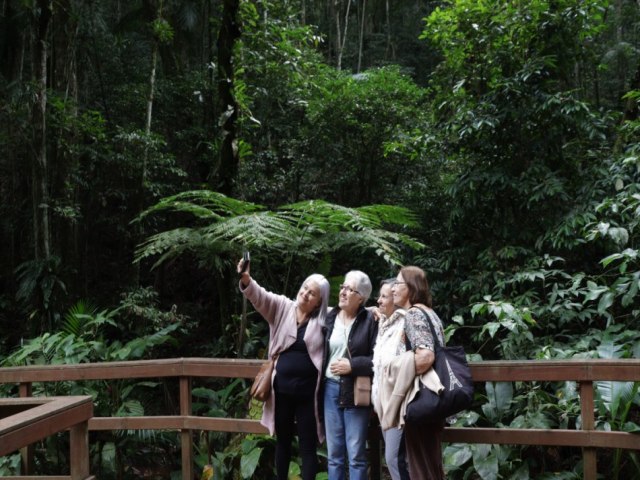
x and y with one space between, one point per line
362 339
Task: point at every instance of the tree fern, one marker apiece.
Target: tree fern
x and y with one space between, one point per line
204 204
223 226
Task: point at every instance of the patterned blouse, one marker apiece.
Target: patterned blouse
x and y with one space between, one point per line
417 331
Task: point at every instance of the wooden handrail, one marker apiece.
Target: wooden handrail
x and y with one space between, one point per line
27 420
492 371
583 371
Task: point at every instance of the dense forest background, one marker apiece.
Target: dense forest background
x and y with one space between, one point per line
145 144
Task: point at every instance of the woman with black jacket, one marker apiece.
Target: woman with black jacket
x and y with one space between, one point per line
350 338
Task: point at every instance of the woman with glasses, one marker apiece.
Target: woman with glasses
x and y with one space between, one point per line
296 335
350 338
411 292
389 344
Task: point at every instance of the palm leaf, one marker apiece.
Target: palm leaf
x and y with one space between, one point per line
77 317
617 398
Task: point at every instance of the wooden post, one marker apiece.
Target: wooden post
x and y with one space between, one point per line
589 463
26 453
79 454
186 438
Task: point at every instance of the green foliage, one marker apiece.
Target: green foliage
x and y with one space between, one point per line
348 122
281 65
86 336
10 465
506 81
162 30
516 322
306 230
244 457
229 452
41 291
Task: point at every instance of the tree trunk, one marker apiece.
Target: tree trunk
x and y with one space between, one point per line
40 180
147 131
360 46
64 162
344 34
150 98
223 175
336 12
389 52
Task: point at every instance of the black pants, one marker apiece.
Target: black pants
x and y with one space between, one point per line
296 411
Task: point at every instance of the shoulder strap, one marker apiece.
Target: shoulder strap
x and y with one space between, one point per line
436 340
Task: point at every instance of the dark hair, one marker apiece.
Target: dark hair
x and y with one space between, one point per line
416 280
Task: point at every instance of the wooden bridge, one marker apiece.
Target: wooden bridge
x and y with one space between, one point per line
28 419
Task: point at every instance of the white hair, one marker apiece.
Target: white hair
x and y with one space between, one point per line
325 290
362 281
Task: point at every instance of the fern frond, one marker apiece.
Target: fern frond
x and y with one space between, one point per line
304 229
255 230
203 205
169 244
389 215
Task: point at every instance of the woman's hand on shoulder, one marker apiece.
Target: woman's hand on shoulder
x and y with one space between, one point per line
377 314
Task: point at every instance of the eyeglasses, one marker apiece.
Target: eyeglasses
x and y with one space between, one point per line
395 284
349 289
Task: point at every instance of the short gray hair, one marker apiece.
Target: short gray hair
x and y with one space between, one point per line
363 283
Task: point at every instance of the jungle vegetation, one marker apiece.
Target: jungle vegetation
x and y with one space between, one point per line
145 144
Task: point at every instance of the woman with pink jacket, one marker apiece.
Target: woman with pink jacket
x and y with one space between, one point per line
296 335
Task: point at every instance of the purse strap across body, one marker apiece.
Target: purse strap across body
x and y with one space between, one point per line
436 340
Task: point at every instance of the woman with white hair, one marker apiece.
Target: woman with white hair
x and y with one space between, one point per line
350 338
296 335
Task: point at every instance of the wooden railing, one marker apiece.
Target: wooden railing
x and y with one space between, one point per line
27 420
585 372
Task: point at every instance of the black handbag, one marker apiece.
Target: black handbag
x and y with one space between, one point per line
451 366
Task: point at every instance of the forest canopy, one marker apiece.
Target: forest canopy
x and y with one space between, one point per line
145 144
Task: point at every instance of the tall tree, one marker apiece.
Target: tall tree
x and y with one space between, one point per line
341 31
227 167
361 36
42 12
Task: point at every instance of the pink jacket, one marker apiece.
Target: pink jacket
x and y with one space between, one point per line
279 312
